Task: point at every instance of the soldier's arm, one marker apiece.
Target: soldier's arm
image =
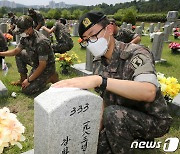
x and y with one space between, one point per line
38 71
12 52
136 40
38 26
47 29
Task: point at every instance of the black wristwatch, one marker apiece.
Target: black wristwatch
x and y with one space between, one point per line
103 85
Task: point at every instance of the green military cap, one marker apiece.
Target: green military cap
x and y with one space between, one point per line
88 20
24 22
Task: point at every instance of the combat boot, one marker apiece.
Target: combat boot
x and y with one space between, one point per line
53 78
19 82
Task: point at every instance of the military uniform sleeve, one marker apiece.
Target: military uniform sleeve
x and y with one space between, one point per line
43 51
144 69
21 44
129 35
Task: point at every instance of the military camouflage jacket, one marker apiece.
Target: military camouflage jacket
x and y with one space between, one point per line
127 62
125 35
61 33
39 49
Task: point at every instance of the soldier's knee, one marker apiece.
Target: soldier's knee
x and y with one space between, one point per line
114 113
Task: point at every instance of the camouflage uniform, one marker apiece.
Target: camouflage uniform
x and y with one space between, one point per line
126 120
63 38
125 35
38 19
3 45
37 48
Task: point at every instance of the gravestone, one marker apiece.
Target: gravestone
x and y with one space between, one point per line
17 39
75 29
84 69
151 28
89 60
166 33
66 119
124 25
158 27
142 25
138 30
4 27
175 105
171 26
45 33
172 16
157 46
129 26
3 90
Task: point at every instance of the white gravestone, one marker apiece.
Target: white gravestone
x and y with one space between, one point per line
124 25
157 46
89 60
3 89
151 28
4 27
138 30
75 29
142 25
129 26
67 121
166 33
158 26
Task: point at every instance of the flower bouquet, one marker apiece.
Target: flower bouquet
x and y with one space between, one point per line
10 130
66 61
8 37
169 86
174 46
176 35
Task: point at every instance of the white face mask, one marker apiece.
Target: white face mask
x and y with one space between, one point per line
99 48
23 35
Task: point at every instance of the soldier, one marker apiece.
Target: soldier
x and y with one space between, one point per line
37 18
63 38
38 54
125 35
13 20
3 45
134 107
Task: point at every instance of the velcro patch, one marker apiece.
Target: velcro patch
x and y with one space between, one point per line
136 62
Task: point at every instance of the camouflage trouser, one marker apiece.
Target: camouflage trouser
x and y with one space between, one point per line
122 126
62 47
22 60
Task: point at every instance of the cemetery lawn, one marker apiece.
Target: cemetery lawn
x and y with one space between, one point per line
23 105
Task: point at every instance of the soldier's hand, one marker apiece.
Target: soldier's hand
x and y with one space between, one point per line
25 83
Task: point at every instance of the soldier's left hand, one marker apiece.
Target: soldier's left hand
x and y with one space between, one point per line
86 82
25 83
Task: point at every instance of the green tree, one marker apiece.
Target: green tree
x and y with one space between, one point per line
66 14
77 14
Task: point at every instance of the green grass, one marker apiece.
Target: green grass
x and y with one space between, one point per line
24 108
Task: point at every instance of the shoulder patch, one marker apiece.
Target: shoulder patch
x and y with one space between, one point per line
136 62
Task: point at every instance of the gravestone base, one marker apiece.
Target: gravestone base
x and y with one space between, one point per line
80 69
175 105
29 152
161 61
3 90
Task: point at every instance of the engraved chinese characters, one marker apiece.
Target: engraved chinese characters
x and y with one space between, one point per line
67 122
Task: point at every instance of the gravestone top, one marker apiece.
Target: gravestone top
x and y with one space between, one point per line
3 89
172 16
67 120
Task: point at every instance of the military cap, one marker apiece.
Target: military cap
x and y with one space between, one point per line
31 11
24 22
88 20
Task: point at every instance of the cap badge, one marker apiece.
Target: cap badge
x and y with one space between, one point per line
86 22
